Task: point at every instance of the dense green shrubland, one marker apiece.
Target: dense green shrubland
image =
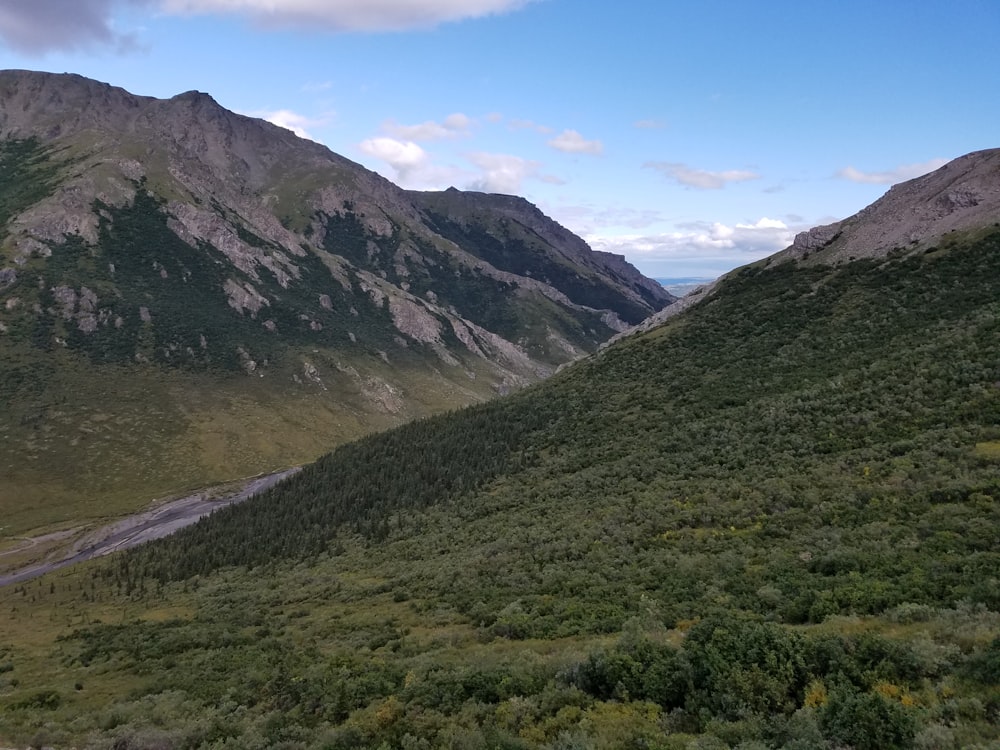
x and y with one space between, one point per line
824 448
769 523
27 174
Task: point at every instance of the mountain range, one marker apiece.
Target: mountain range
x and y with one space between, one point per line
188 296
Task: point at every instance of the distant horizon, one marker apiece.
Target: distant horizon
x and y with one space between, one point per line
664 280
681 285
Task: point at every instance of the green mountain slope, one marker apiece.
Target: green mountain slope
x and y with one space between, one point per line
870 388
770 522
188 296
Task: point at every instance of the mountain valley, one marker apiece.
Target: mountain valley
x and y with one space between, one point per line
764 518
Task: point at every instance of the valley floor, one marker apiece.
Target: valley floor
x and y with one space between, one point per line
162 519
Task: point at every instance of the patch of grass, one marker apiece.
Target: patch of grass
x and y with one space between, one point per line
989 450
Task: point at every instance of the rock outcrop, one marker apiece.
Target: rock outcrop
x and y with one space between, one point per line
963 195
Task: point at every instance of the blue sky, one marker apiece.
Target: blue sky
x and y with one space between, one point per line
692 137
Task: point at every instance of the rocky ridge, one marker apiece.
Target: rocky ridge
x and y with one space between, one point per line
263 198
913 216
962 195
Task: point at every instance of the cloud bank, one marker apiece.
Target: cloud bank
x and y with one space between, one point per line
35 27
699 248
899 174
699 178
348 15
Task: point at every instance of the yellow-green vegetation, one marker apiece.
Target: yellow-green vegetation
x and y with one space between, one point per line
99 442
989 449
767 527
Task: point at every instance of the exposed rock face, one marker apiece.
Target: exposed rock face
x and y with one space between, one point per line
816 238
962 195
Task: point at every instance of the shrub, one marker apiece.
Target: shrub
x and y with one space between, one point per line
867 721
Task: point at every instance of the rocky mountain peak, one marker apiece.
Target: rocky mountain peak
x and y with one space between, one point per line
962 195
194 97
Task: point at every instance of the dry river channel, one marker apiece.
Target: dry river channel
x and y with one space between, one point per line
163 519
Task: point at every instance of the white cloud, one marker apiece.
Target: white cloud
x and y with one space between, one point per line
348 15
700 178
412 167
293 121
458 122
452 126
899 174
764 223
572 142
37 27
501 173
403 156
714 245
415 168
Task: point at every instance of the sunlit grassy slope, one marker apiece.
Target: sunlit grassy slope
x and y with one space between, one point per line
84 442
769 523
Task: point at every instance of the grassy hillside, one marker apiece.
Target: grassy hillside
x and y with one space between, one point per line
770 523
